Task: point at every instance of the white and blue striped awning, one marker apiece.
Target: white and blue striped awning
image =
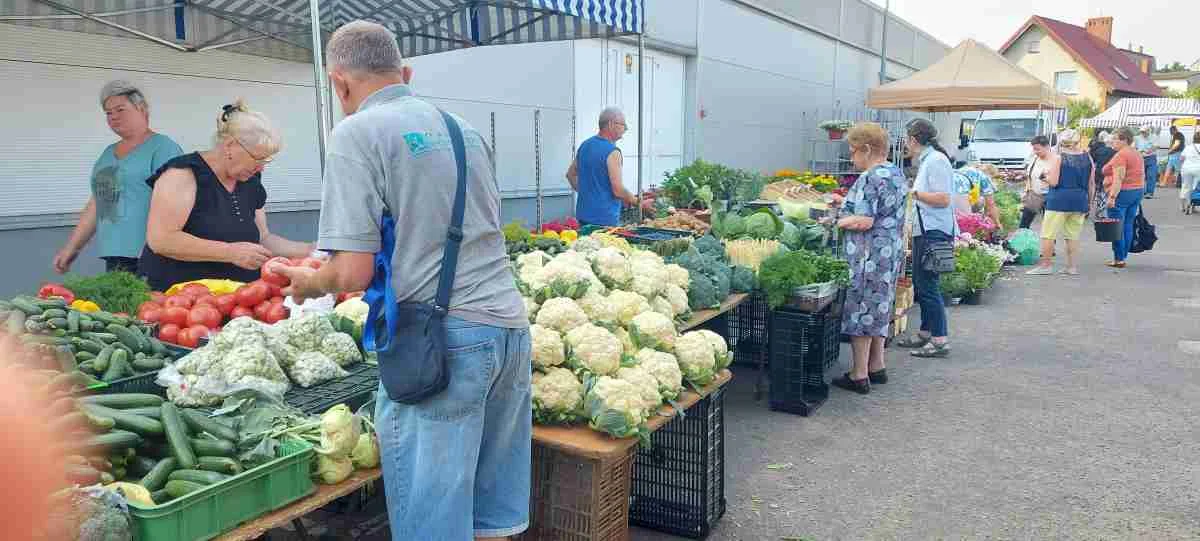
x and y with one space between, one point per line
1137 112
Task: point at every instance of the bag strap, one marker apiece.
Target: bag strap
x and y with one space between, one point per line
454 235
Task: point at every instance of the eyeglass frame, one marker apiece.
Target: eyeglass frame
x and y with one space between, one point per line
259 161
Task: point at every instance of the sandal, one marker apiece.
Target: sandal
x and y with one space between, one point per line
912 341
860 386
1115 264
932 350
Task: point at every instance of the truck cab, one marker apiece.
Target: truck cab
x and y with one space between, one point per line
1001 138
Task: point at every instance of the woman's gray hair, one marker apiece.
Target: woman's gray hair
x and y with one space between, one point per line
364 47
1068 138
128 90
250 128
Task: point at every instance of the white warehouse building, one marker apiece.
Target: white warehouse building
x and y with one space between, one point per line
738 82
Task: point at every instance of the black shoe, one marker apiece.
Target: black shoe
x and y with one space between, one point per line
862 386
878 378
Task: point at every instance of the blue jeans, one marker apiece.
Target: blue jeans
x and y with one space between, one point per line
457 466
928 287
1128 203
1151 163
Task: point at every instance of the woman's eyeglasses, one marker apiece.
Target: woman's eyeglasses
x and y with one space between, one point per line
259 161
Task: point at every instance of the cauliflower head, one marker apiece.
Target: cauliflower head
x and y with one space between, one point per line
696 359
574 259
678 276
587 245
548 349
649 277
531 308
647 386
721 352
614 406
561 314
529 280
535 259
598 308
665 370
613 269
662 306
557 397
594 349
629 304
678 299
562 279
652 330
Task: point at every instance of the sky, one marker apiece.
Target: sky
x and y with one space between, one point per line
1161 26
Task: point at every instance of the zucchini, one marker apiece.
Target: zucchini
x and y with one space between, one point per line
140 466
103 317
153 412
73 321
117 367
116 439
157 476
123 400
160 497
26 306
51 303
200 423
179 489
83 355
202 477
132 340
160 350
124 420
177 436
51 313
98 421
209 447
147 364
219 464
102 337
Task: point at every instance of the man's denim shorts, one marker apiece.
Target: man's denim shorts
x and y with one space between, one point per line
456 466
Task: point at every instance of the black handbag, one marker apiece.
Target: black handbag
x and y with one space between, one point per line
412 360
939 254
1144 234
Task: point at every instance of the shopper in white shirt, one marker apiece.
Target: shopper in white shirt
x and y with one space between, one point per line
1189 169
1045 165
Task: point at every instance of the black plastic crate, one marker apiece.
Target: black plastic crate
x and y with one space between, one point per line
353 390
802 347
144 383
747 332
679 482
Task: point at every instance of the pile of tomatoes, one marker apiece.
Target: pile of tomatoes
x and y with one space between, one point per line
194 312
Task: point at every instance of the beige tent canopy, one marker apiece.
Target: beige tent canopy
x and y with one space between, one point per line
971 77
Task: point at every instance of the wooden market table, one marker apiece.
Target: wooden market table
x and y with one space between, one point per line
322 496
704 316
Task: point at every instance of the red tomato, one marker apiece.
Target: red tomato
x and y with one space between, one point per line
252 295
181 300
274 278
187 339
174 314
157 297
240 311
260 311
147 305
276 313
207 298
194 290
204 315
152 315
272 289
275 300
199 331
312 263
225 304
169 333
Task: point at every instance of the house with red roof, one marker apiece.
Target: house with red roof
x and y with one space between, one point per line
1081 61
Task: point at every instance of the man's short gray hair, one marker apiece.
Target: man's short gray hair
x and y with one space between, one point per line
126 89
609 114
364 47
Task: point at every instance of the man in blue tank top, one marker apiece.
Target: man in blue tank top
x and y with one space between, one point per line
596 174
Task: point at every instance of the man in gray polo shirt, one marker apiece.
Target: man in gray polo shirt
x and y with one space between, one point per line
456 465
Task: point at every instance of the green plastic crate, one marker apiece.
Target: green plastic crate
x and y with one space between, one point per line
218 508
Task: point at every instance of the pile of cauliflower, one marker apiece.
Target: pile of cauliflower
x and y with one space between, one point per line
606 349
250 354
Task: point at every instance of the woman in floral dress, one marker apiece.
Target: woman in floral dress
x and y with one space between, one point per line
872 213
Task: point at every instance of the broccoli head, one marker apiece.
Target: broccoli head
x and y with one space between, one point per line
702 294
709 245
741 279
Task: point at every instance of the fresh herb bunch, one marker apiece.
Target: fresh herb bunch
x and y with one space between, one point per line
780 274
116 291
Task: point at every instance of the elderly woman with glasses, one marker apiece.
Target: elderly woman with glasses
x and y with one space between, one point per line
116 211
206 214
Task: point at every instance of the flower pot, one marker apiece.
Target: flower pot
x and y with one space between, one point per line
973 298
1108 230
835 135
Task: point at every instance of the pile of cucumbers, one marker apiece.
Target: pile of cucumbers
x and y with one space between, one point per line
142 438
88 346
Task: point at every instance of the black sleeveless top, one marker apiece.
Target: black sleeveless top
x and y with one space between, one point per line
217 215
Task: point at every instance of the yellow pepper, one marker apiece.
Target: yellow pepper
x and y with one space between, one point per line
85 306
569 235
550 234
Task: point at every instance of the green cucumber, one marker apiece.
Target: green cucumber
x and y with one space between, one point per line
124 420
116 439
118 473
160 497
219 464
147 364
179 489
102 337
117 367
103 359
84 356
177 436
26 306
51 313
73 321
51 303
200 423
203 477
123 400
208 447
157 476
90 346
160 350
103 317
153 412
131 339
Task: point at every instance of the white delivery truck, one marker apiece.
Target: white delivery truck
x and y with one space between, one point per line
1001 138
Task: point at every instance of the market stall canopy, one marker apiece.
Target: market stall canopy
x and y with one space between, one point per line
283 29
971 77
1158 112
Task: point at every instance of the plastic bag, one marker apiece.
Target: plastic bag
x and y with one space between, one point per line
1027 245
319 305
206 386
312 367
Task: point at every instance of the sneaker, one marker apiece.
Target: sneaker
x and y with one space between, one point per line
862 386
1069 272
1040 271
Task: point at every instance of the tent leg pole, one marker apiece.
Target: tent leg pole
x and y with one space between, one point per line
641 120
319 81
537 165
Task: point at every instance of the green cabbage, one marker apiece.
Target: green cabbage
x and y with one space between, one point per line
764 225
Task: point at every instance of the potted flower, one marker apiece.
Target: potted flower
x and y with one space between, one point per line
835 128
